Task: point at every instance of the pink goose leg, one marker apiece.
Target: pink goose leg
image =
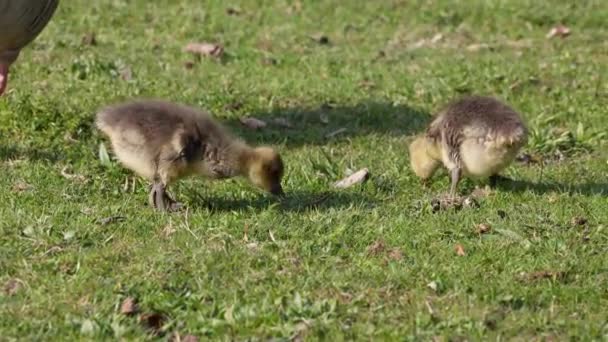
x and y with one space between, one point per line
3 77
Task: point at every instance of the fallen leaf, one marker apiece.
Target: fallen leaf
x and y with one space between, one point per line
432 285
253 123
356 178
446 202
89 39
233 11
501 213
477 47
481 192
459 250
376 248
395 254
269 61
153 321
252 245
168 230
12 286
282 122
483 228
336 132
540 275
188 65
69 137
128 306
320 38
436 38
205 49
470 202
578 221
21 186
76 177
126 74
110 219
234 106
526 158
367 84
559 31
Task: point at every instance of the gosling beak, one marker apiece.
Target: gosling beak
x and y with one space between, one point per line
277 190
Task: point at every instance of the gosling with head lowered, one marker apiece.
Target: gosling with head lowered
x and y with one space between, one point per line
164 142
474 136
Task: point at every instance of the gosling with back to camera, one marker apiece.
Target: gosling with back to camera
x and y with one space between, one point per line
164 142
474 136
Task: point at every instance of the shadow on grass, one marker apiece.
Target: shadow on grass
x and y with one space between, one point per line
12 152
296 201
587 189
320 125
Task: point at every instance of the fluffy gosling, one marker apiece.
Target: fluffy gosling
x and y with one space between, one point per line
164 142
474 136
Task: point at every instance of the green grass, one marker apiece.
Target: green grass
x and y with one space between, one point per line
239 266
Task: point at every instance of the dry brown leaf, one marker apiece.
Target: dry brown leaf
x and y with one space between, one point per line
376 248
188 65
336 132
395 254
12 286
110 219
153 321
436 38
168 230
539 275
233 11
126 74
234 106
459 250
477 47
21 186
205 49
480 192
356 178
190 338
320 38
483 228
579 221
253 123
269 61
89 39
559 31
76 177
128 306
282 122
367 84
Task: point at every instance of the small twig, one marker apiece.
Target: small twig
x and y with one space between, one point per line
187 225
110 219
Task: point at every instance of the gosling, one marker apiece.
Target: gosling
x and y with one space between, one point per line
474 136
164 142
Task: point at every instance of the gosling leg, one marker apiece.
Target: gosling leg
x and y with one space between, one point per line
455 176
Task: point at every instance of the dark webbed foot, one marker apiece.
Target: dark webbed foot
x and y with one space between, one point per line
160 200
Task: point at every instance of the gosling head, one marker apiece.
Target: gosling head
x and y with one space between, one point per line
424 157
265 170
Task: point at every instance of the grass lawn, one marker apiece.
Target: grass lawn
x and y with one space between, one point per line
372 262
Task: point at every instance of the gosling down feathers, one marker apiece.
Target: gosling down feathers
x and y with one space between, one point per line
474 136
164 142
21 21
